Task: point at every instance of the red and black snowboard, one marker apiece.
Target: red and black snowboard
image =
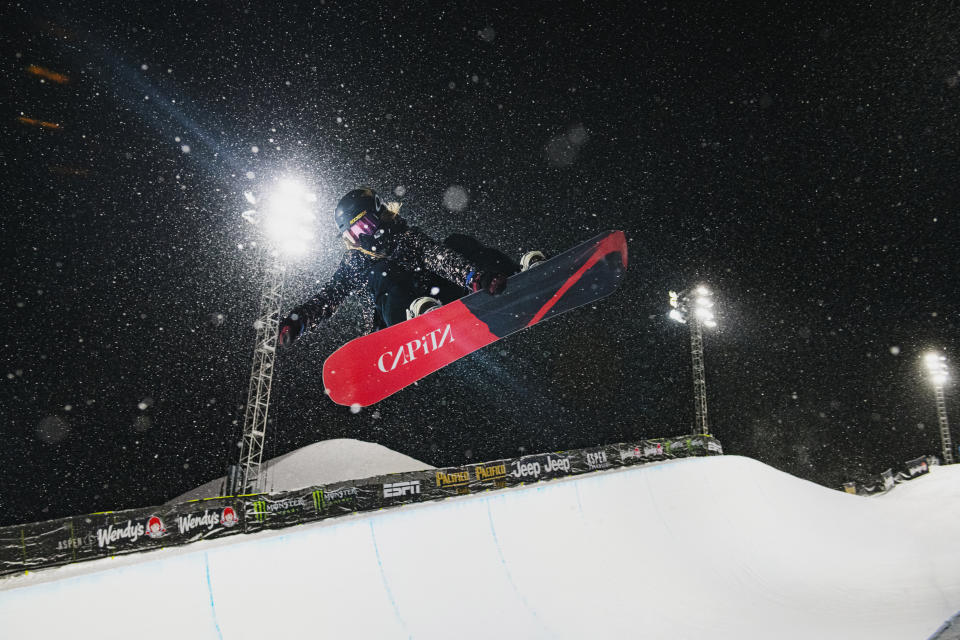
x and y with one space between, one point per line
370 368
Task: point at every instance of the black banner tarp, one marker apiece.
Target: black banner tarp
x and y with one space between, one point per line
98 535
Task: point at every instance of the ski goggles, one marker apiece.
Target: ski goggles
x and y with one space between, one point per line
366 225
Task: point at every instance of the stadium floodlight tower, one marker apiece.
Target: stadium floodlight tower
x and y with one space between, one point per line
937 370
286 219
694 307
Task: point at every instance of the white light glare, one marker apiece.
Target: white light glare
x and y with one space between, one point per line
250 198
705 302
289 218
703 291
937 365
676 315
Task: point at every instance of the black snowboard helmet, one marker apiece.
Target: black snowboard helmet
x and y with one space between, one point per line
360 212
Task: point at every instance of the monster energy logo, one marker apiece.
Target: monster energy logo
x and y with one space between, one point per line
323 498
261 508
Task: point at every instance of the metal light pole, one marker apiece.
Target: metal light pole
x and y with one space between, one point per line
249 475
937 369
693 307
286 224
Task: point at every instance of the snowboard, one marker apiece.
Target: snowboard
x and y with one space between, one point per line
373 367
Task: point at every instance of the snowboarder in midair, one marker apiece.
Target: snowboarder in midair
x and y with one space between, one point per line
402 271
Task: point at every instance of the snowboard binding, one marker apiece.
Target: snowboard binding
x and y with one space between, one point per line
422 305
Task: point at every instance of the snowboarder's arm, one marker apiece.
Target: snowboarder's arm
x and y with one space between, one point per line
346 279
441 260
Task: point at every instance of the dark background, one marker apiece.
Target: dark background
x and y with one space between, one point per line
800 159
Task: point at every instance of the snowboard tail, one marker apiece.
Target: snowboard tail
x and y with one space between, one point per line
372 367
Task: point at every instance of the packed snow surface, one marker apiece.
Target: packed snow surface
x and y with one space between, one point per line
719 547
322 463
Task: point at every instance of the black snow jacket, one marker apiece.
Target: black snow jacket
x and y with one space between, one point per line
403 254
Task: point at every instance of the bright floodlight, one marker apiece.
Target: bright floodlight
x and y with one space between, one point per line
694 305
287 216
937 367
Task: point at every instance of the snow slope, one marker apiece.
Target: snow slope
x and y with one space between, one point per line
320 463
719 547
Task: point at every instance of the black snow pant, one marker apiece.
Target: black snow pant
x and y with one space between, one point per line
399 287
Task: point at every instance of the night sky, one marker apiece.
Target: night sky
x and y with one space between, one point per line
800 159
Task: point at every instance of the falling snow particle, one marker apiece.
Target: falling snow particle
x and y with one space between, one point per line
52 429
456 198
254 149
562 151
487 34
895 350
355 408
400 191
144 67
185 148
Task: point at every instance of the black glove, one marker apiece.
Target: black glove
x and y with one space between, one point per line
291 328
489 281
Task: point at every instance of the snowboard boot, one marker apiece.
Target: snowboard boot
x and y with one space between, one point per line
421 306
531 259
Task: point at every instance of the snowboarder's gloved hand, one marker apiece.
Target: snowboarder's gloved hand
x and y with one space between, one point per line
489 281
291 328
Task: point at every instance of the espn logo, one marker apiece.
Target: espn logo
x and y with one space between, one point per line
400 489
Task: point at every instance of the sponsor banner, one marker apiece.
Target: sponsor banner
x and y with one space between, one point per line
36 545
453 481
105 534
206 519
539 467
403 488
888 481
271 511
489 475
917 466
646 451
596 459
126 531
338 500
651 450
